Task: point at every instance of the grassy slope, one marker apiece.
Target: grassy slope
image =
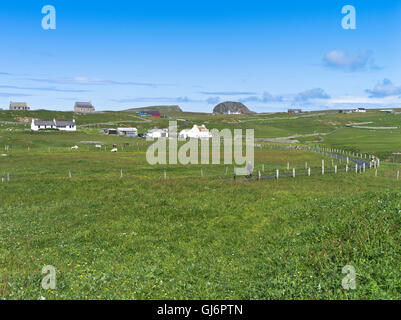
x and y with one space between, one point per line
191 237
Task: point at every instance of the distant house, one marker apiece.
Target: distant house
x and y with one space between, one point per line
84 107
19 106
157 133
292 111
127 132
155 113
197 132
344 111
37 125
359 110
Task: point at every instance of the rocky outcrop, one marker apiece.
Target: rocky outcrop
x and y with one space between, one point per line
230 107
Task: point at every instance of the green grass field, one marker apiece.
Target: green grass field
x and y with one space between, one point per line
190 237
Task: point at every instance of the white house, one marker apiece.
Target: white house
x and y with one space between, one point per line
360 110
197 132
37 125
157 133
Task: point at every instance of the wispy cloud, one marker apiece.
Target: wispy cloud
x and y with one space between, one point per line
213 100
227 93
93 81
54 89
11 94
157 99
313 94
340 59
384 89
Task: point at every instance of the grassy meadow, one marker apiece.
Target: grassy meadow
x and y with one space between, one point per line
139 236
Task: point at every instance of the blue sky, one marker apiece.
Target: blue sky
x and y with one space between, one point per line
271 55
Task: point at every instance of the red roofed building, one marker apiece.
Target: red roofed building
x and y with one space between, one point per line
155 114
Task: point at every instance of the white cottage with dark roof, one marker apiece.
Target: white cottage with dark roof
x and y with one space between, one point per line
37 125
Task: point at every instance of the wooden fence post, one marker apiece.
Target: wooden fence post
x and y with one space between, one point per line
335 169
293 172
308 172
277 174
322 166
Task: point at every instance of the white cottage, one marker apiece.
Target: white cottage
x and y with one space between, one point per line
37 125
197 132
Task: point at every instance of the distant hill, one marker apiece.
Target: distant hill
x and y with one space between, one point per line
230 107
163 109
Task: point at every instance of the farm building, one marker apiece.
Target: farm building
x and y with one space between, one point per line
127 132
37 125
197 132
387 111
111 131
84 107
19 106
359 110
292 111
157 133
155 114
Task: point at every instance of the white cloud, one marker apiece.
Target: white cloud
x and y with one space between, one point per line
312 94
339 59
384 89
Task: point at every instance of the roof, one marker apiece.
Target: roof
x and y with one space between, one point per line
64 123
155 130
43 123
59 124
84 105
202 128
127 129
18 104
